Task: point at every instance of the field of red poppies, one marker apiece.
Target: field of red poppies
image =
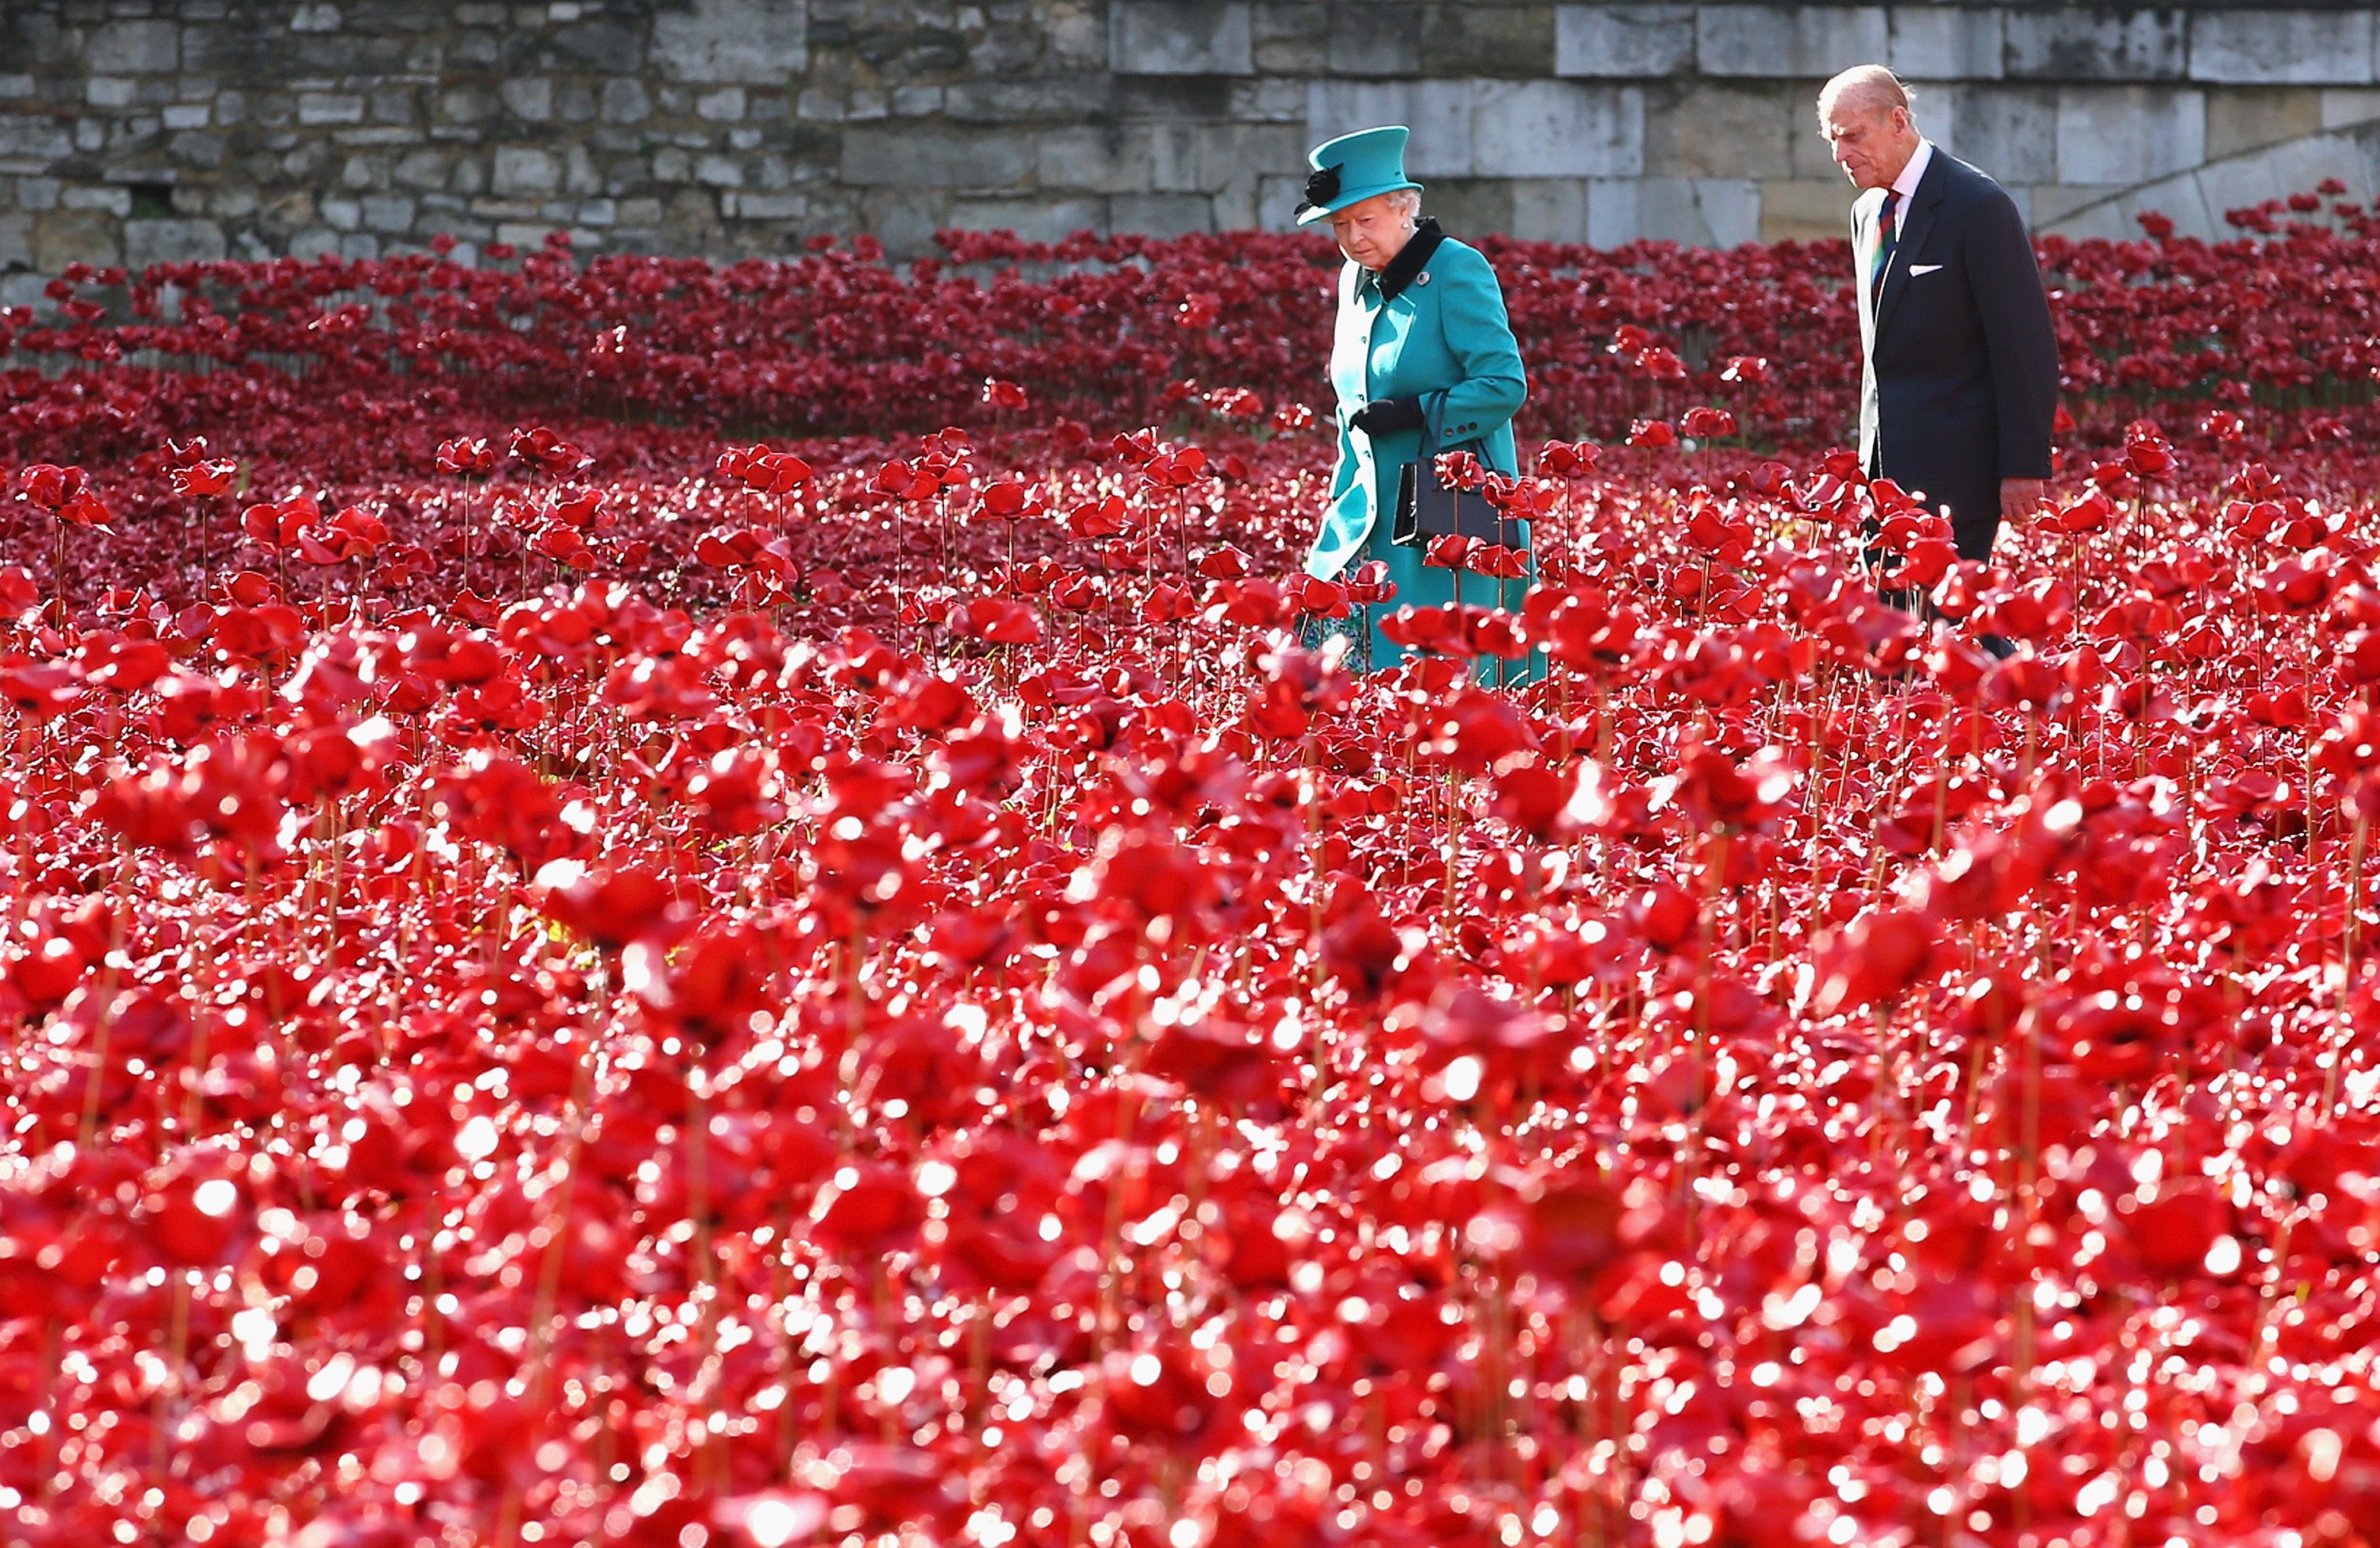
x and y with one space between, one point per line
688 906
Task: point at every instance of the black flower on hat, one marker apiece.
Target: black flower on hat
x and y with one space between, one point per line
1322 188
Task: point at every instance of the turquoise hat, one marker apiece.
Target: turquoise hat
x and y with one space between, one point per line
1352 168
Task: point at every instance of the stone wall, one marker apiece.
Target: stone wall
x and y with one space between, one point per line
138 130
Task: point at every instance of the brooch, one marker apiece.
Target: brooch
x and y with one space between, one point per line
1422 278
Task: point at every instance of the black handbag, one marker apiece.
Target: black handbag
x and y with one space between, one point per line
1427 510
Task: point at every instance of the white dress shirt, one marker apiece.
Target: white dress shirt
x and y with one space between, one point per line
1904 187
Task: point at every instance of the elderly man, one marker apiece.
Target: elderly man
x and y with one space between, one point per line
1959 362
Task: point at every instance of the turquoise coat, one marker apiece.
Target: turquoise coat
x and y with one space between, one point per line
1445 334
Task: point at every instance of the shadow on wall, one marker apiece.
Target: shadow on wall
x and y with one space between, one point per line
2197 200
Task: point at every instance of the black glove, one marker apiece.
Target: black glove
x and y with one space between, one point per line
1386 416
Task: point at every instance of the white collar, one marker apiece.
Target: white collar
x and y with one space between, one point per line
1904 187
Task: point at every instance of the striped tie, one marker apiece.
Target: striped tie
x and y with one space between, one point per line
1884 232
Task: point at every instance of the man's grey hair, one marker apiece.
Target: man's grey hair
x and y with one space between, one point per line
1867 89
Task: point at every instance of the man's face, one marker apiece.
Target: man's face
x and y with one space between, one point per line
1371 232
1871 145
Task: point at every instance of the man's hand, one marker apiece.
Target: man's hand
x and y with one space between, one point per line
2017 497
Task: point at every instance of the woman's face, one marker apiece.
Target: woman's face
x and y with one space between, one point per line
1372 232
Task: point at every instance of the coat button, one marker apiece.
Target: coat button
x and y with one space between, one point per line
1422 278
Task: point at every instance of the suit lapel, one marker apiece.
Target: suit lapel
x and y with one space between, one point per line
1913 231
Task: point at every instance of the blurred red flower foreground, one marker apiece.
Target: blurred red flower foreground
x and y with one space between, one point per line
576 975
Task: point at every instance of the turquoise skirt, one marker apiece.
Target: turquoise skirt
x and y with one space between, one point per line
1422 585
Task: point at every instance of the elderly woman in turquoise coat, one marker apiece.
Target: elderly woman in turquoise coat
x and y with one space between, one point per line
1422 330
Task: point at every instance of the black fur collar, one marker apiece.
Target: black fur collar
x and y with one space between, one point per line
1408 262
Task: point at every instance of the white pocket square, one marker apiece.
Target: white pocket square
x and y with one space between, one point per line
1917 269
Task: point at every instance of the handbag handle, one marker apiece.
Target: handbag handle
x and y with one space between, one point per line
1433 429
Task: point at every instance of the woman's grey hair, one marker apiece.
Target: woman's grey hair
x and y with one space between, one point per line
1405 201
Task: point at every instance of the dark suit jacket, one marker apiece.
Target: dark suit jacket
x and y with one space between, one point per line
1959 386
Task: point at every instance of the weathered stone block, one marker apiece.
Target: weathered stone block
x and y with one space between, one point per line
1225 154
1798 42
1611 212
38 193
317 17
133 48
1438 113
1625 43
1171 98
1179 37
108 201
1732 130
16 86
1376 40
2052 204
2128 134
935 158
771 206
904 220
2345 105
2267 47
1267 102
2097 45
1515 42
606 47
1074 34
15 242
1556 129
1550 209
724 105
1089 160
187 116
1698 211
1276 204
330 107
528 98
1467 206
625 101
1161 214
110 90
579 172
719 171
1034 217
390 213
2301 165
1045 99
1293 37
1946 43
1004 48
746 43
342 215
2010 131
465 103
420 169
64 237
2245 117
294 207
25 138
1804 210
522 171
